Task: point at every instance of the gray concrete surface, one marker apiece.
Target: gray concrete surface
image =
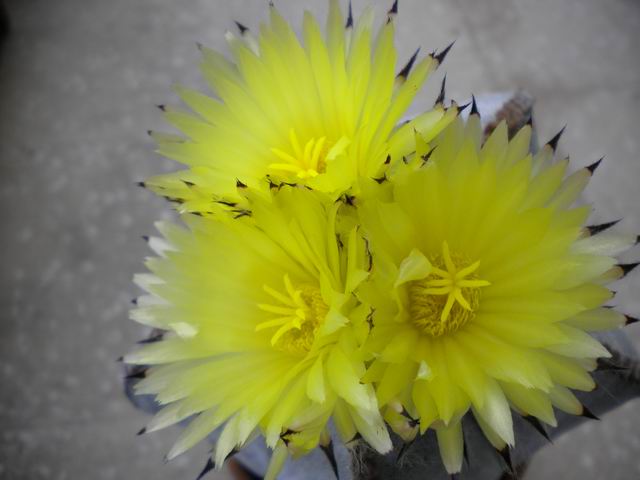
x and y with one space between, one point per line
78 81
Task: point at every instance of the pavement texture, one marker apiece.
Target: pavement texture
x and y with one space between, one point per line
78 83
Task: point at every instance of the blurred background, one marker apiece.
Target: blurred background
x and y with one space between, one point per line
79 81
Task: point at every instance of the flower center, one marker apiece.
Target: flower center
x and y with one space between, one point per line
308 161
445 300
298 314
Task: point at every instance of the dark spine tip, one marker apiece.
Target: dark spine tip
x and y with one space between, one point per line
331 456
284 436
463 107
404 449
380 180
120 359
404 73
227 203
142 431
465 450
349 23
241 27
173 199
606 365
427 156
592 168
595 229
630 320
474 106
505 454
347 200
627 267
637 239
553 143
137 375
239 184
162 107
588 414
134 301
370 318
388 160
232 453
151 339
145 238
405 413
240 213
207 468
530 121
443 86
394 8
537 424
150 133
442 55
141 184
199 46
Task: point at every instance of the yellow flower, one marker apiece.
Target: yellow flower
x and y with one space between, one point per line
485 284
320 113
263 332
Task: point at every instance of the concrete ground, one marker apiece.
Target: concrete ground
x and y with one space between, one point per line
78 83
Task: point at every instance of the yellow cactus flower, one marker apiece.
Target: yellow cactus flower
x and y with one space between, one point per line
484 287
263 332
320 112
